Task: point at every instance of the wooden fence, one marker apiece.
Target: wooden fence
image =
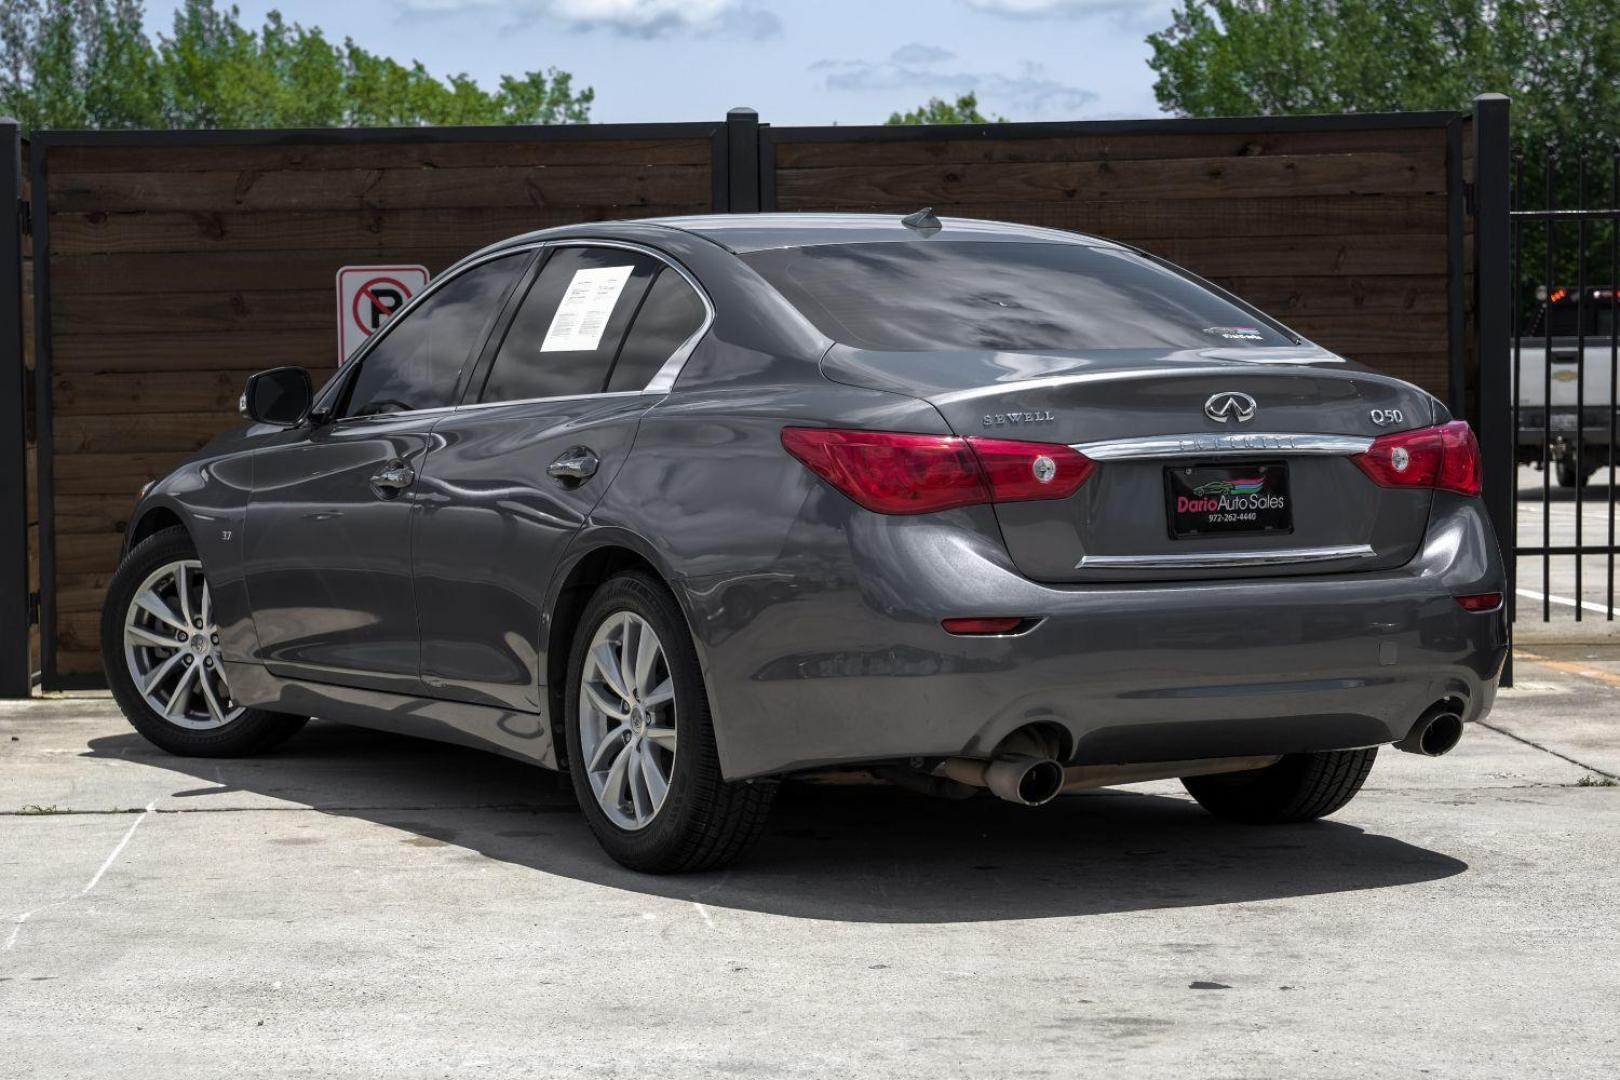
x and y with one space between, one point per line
176 263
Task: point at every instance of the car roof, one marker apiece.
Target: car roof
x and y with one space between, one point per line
742 233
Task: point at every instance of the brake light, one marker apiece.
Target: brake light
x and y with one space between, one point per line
1445 458
1485 601
903 473
984 625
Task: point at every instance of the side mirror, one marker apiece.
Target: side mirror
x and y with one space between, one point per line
280 396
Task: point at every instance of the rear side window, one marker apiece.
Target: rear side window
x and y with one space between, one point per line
569 327
671 313
418 362
910 296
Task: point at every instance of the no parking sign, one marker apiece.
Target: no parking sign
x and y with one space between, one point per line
367 298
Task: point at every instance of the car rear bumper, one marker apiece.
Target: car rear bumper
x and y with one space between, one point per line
837 656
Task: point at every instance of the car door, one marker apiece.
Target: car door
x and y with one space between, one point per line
518 468
327 559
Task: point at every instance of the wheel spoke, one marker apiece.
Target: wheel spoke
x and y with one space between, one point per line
155 606
663 736
613 783
664 691
653 777
646 657
181 694
205 679
604 749
182 588
602 705
207 612
607 666
640 800
159 673
139 635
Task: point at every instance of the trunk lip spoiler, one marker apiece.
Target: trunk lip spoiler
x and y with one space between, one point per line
1208 444
1222 560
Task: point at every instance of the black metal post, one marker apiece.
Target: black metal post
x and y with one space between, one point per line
742 160
1492 302
14 607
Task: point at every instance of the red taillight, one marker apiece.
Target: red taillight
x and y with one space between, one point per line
902 473
1485 601
1444 457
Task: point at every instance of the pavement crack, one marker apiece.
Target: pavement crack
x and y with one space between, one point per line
1546 749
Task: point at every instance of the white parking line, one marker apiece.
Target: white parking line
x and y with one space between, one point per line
1588 605
112 857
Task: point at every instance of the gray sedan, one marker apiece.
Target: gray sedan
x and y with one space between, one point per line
684 507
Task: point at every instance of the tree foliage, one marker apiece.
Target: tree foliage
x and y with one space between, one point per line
91 64
1558 61
964 110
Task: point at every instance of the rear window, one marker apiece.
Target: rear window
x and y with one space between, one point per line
926 295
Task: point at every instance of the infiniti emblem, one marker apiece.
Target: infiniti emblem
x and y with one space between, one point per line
1230 405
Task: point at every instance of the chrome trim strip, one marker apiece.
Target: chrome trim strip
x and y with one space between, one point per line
1222 560
1204 444
545 400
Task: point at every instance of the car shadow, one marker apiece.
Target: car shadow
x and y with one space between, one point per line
847 853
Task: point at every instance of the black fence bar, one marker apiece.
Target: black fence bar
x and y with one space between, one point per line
742 167
14 605
1494 296
1614 355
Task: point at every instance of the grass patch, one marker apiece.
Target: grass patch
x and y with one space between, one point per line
34 808
1594 780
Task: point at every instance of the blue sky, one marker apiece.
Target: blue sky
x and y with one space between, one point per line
796 61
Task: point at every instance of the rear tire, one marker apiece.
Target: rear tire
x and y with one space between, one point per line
143 641
1300 787
1570 478
668 810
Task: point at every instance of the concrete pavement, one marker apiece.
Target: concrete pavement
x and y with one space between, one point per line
366 905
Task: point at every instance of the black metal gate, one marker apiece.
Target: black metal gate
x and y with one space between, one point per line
1565 235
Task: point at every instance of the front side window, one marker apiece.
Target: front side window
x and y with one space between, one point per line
419 361
567 332
953 295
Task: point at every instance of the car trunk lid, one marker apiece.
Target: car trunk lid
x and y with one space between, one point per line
1175 434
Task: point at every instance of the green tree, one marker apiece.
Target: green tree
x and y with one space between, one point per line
90 64
1558 61
964 110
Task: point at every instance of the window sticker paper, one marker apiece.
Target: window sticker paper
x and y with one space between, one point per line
585 309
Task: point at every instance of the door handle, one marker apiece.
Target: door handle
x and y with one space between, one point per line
394 478
577 465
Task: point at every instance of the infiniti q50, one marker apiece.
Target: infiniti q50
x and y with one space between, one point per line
684 507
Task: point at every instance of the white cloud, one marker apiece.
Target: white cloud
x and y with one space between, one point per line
923 69
632 18
1047 9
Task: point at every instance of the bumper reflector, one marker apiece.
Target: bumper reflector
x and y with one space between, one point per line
981 626
1485 601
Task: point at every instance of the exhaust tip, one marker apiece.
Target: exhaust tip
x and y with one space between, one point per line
1025 779
1435 733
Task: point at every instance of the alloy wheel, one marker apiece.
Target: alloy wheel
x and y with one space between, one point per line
171 647
627 720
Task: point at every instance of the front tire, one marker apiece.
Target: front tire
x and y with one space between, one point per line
641 750
1300 787
160 650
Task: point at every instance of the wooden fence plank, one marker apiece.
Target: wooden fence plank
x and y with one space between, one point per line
446 155
118 476
347 230
167 391
186 312
543 187
132 434
1303 256
244 349
909 186
1133 147
224 271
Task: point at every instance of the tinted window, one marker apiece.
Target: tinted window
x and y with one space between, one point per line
909 296
567 331
671 313
418 361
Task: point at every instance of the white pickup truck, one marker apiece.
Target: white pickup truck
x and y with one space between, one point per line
1574 329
